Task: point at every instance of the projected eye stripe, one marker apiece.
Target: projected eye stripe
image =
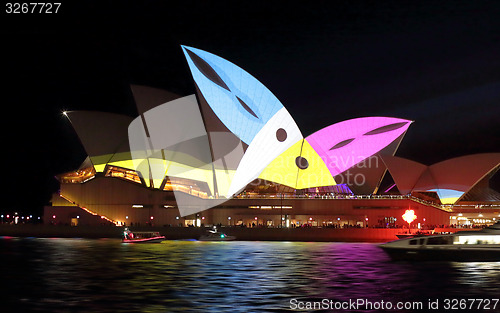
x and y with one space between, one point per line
342 143
246 107
385 128
207 70
281 135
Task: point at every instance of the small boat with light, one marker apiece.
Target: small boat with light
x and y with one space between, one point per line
479 246
142 237
214 235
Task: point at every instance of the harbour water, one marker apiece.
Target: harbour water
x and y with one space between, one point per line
88 275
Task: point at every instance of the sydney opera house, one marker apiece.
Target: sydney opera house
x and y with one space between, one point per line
233 155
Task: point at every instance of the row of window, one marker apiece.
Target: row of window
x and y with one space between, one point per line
458 240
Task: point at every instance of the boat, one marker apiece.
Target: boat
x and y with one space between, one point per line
479 246
214 235
142 237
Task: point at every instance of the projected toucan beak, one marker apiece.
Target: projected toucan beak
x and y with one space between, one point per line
298 167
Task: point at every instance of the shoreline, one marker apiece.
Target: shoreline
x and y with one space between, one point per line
246 234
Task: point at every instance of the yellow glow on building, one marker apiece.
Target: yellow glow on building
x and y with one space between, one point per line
451 200
99 167
224 179
128 164
188 172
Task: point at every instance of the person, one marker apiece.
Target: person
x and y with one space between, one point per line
128 234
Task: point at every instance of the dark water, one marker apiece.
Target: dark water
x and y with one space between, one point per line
80 275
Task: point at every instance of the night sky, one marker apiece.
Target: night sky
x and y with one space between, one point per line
437 63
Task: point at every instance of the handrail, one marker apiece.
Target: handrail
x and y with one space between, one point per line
117 223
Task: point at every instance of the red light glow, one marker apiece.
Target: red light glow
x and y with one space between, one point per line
409 216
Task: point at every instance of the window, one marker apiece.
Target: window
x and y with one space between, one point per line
439 240
78 176
123 173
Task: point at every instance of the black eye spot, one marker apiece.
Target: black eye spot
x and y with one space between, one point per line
301 163
281 135
342 144
386 128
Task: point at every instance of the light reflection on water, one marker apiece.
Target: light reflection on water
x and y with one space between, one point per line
80 275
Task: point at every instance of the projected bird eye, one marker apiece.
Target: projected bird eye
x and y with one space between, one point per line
281 135
301 163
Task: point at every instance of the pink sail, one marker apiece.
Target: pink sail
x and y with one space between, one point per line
345 144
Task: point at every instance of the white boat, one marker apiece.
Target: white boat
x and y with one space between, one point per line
142 237
214 235
482 245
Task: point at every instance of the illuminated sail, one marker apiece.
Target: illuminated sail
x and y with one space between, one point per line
248 109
